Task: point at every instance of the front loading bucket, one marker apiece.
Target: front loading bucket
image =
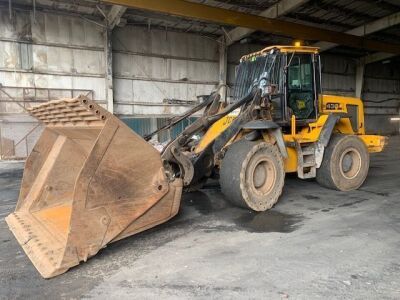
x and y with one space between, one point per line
90 180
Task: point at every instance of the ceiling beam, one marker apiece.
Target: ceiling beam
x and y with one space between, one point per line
369 59
278 9
365 29
224 16
115 14
383 4
341 10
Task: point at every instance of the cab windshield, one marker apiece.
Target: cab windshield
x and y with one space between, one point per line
251 71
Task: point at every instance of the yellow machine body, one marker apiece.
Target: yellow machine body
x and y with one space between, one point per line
328 104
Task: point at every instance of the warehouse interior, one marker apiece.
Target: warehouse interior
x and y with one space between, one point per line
161 63
148 61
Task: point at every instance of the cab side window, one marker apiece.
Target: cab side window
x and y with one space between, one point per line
300 85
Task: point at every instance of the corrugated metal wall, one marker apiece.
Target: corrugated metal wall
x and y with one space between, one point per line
46 51
338 75
51 51
151 65
381 93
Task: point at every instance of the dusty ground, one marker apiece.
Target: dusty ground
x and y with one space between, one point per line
315 243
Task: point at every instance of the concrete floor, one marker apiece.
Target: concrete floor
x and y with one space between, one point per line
315 243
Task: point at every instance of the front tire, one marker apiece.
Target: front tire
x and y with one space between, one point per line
345 164
252 175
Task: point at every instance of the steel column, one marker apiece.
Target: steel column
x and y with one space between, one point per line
359 79
223 67
115 14
108 69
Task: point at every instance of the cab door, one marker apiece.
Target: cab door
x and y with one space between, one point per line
301 92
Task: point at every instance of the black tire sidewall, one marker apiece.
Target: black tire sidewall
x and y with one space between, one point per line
244 155
339 144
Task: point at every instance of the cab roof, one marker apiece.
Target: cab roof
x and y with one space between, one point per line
283 49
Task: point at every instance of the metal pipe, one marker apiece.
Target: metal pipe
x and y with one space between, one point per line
34 10
215 83
79 47
24 138
165 56
152 104
39 88
10 9
51 73
92 21
1 144
102 12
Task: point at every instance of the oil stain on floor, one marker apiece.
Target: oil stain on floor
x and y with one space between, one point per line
242 219
269 221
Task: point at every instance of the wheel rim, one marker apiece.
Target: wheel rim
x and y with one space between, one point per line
350 163
263 176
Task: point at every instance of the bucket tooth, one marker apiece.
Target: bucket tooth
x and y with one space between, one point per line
44 248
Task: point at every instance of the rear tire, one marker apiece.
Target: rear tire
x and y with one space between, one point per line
345 164
252 175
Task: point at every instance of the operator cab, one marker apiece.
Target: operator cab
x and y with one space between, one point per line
289 77
300 86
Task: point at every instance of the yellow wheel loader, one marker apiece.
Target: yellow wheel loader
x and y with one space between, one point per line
90 180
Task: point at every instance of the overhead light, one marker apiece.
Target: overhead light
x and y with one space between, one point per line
297 44
395 119
386 62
